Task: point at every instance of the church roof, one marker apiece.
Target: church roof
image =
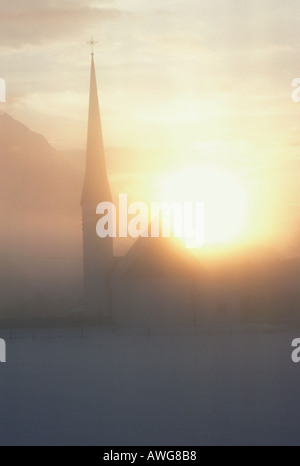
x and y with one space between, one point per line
159 257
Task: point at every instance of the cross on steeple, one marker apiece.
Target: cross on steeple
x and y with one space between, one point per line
92 44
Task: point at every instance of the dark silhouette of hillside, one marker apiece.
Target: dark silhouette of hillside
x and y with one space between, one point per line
39 193
40 235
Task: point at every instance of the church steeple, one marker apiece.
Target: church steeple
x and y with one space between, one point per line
96 186
97 252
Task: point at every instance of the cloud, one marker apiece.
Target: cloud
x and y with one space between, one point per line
18 6
40 25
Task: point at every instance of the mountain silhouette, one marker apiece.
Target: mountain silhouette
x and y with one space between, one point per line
34 177
39 192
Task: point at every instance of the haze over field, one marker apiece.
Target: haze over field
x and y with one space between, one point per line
163 390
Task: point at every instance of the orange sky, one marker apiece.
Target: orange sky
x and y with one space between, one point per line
182 84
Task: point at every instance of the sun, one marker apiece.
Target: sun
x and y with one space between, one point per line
222 193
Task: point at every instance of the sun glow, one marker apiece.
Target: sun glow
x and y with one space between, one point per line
223 196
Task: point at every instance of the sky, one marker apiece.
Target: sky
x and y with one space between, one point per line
182 83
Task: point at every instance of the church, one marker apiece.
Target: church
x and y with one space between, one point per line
158 284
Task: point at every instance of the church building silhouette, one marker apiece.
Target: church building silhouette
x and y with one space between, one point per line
158 283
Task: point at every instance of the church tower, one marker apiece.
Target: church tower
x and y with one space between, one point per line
97 252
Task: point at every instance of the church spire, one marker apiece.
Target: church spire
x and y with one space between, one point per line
97 252
96 186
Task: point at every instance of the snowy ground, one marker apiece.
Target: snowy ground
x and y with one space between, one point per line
114 389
